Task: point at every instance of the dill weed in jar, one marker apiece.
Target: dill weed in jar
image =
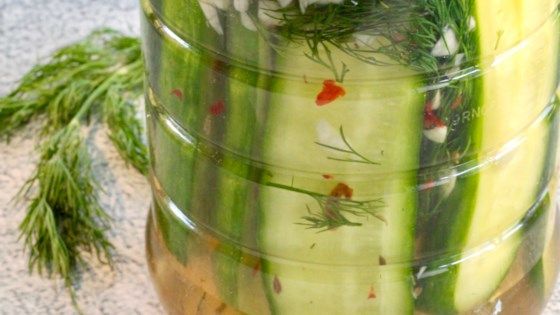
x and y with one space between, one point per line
352 157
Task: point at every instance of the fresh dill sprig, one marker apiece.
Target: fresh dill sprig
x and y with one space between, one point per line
398 31
394 25
333 209
125 130
97 79
349 149
64 217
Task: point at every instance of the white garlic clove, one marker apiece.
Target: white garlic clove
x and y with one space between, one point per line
472 23
437 134
328 135
436 101
211 14
241 5
447 45
363 40
219 4
448 187
247 22
284 3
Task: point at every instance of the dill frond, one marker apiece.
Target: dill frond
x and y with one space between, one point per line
125 130
333 210
97 79
359 158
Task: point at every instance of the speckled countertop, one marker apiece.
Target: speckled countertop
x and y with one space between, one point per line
30 30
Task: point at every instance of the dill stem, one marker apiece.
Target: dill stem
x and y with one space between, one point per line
294 189
102 88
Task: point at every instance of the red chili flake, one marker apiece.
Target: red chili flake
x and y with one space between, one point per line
218 66
177 93
429 107
276 285
371 294
222 307
457 102
213 243
342 190
327 176
217 108
399 37
431 120
382 261
428 185
329 93
256 268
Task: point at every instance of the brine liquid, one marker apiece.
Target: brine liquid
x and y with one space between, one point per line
188 285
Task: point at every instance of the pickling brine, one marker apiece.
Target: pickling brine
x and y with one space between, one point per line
352 157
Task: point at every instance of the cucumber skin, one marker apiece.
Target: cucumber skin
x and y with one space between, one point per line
437 295
537 273
171 66
233 209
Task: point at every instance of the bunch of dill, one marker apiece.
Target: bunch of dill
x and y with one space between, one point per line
96 80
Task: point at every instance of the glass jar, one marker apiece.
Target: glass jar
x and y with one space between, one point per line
352 157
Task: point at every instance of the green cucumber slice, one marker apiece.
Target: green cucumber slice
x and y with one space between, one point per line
177 75
515 90
245 92
339 271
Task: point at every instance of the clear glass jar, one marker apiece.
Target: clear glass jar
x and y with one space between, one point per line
352 157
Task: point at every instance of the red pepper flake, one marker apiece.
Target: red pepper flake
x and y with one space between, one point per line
457 102
429 107
177 93
327 176
382 261
428 185
371 294
399 37
342 190
213 243
218 67
217 108
256 268
222 307
431 120
276 285
329 93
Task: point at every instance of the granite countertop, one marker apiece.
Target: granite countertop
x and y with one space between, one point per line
29 31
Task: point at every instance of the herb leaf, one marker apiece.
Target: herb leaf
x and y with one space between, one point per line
64 216
333 209
97 79
125 130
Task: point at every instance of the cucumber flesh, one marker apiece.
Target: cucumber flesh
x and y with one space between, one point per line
545 272
534 83
338 271
515 91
